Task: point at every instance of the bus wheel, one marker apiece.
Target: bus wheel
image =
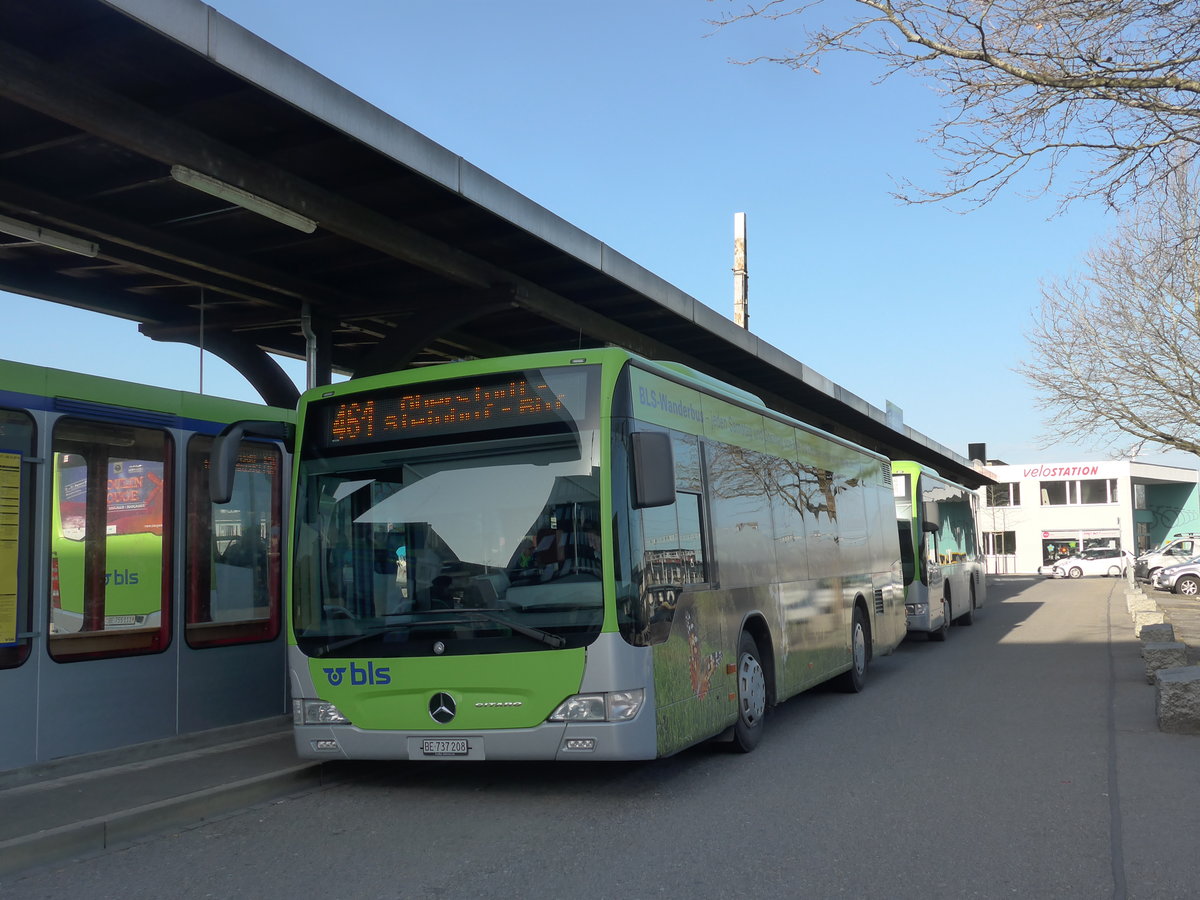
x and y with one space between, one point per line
940 634
968 618
852 681
751 696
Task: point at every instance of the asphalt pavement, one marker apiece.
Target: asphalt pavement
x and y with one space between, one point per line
89 805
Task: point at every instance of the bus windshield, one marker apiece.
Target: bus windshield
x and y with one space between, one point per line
481 548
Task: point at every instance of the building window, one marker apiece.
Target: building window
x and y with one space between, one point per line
1054 493
1097 490
1008 494
1141 535
1087 492
999 543
1058 548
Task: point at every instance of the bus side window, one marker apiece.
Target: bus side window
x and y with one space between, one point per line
673 557
695 568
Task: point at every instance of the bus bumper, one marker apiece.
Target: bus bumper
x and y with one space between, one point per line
580 741
917 617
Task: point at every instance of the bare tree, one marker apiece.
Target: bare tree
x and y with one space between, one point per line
1114 349
1028 83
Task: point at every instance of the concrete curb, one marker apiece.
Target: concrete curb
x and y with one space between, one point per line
1176 684
126 826
147 754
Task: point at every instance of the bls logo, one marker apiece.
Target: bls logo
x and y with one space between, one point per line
118 578
358 676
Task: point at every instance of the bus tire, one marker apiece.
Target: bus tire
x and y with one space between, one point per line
939 634
968 618
853 680
751 696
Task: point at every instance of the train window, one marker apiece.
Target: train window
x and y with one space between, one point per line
16 510
110 539
233 549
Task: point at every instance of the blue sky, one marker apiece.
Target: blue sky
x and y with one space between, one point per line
628 119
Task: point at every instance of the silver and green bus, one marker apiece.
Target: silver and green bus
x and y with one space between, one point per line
576 556
944 574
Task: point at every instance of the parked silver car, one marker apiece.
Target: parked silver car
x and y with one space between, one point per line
1096 561
1183 578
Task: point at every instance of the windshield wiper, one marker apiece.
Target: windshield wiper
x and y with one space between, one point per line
554 640
355 638
455 617
381 629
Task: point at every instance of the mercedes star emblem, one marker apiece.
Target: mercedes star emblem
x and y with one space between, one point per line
441 707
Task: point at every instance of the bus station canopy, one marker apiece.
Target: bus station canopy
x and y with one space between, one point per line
160 163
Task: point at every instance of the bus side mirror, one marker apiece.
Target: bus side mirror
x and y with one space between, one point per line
933 518
223 460
653 469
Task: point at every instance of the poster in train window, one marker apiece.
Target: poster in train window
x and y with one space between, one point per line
10 522
134 492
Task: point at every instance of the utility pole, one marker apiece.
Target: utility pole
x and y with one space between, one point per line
741 280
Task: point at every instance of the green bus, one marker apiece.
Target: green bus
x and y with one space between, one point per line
944 573
573 555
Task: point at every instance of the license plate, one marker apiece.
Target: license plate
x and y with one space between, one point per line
448 747
120 620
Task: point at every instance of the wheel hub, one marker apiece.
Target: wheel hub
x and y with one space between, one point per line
860 649
752 690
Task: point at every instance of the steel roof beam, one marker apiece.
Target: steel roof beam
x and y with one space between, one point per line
27 80
190 261
258 367
398 350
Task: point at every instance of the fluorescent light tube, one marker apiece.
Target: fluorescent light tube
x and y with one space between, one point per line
242 198
47 236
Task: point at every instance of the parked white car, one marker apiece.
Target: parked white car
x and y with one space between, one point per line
1098 561
1174 551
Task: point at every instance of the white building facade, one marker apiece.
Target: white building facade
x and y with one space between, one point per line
1040 512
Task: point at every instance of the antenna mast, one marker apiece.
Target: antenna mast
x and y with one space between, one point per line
741 280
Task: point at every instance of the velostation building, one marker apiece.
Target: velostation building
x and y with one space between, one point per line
1041 511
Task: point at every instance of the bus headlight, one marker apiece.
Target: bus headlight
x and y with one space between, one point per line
612 706
623 705
317 712
916 609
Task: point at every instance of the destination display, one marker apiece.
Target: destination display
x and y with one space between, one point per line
491 403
